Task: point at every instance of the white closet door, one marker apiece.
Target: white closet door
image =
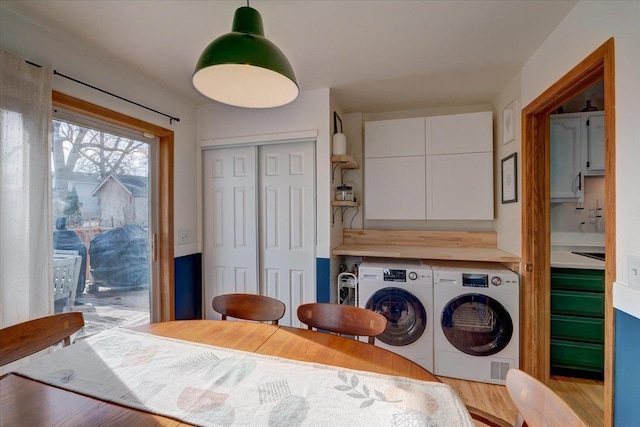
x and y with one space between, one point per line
287 224
230 223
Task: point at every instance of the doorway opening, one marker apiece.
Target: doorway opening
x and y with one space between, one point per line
536 335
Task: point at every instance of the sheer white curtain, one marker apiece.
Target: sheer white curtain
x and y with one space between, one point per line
26 283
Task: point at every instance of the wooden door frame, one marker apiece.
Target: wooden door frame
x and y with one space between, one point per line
163 247
536 236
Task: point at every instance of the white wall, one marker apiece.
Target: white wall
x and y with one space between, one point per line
222 124
508 221
36 44
567 217
586 27
354 130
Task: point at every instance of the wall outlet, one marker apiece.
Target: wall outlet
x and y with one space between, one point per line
634 271
183 237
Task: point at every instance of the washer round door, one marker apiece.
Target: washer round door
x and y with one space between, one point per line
405 313
476 324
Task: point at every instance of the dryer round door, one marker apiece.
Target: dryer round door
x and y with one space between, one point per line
405 313
476 324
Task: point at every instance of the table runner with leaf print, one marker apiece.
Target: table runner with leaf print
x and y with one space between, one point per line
214 386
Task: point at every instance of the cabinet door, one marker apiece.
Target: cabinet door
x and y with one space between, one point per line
595 143
459 133
395 188
394 138
566 175
460 186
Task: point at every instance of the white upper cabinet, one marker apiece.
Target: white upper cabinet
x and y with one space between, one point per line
395 188
394 138
577 149
459 133
594 122
460 186
454 180
566 160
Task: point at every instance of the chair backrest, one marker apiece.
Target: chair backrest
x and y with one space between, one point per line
30 337
343 319
537 404
65 277
64 253
249 307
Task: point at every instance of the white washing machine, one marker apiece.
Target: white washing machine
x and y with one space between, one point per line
402 291
477 331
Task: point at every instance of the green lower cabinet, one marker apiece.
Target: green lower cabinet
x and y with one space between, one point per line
577 328
590 304
570 279
577 321
577 355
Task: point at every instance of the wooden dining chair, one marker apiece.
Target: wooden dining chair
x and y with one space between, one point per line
27 338
343 319
537 404
249 307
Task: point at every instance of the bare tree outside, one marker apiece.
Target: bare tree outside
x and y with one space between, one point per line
81 150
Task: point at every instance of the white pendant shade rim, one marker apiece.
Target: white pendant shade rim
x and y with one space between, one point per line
244 85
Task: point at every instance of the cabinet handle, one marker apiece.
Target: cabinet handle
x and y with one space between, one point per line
579 180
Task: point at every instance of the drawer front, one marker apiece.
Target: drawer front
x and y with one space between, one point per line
587 304
577 328
583 356
577 280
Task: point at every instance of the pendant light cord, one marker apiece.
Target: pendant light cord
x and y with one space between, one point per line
171 118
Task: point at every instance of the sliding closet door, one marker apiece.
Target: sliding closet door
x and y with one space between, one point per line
287 225
230 223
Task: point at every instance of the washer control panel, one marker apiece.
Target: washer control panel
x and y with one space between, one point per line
394 271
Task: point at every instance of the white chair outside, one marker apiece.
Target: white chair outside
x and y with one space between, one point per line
66 268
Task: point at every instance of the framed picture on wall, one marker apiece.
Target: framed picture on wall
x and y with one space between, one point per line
508 132
510 179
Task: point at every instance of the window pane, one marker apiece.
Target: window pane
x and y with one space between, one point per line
101 193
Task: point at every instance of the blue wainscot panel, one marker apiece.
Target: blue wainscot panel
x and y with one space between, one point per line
627 370
188 287
323 280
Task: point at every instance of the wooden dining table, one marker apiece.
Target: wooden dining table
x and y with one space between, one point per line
26 402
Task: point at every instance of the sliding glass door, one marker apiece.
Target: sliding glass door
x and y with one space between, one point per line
102 208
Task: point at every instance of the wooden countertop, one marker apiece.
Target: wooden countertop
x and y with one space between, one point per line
426 244
427 252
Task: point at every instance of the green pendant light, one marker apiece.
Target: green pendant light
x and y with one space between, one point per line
244 69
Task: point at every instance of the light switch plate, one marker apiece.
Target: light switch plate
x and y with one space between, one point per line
183 237
634 271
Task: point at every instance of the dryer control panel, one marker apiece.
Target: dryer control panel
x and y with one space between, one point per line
475 280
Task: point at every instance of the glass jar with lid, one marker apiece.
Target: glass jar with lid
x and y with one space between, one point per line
344 193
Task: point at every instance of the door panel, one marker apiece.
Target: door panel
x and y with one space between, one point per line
230 224
287 222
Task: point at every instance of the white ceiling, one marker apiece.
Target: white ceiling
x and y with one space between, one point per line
376 56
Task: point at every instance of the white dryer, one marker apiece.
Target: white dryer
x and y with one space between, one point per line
477 307
402 291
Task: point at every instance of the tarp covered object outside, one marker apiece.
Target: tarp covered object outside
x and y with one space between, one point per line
120 257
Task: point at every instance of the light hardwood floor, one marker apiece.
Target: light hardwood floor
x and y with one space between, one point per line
586 397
